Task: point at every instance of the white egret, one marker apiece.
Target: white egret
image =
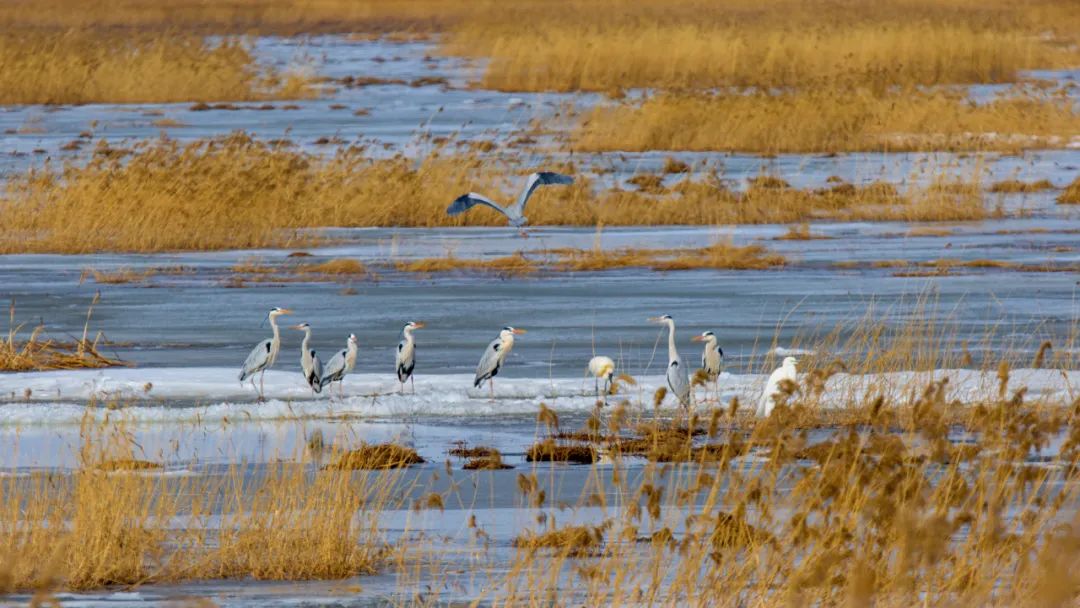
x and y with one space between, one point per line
712 357
772 387
309 361
602 368
264 354
494 356
678 378
340 364
405 360
515 213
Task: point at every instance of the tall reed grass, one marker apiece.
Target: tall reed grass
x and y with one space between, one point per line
831 120
78 67
235 192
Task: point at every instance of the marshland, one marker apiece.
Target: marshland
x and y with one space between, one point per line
885 191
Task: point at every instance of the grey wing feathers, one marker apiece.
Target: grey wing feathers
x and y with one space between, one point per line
541 178
405 365
334 370
256 360
679 381
465 202
489 363
316 373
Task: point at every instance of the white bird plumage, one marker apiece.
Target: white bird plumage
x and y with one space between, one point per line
340 364
602 368
405 358
678 378
514 213
786 371
264 354
310 363
494 356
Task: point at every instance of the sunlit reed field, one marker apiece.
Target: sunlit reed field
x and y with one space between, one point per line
832 120
236 192
78 67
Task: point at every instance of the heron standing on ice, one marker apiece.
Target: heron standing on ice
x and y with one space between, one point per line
712 357
772 387
602 368
494 356
405 359
309 361
515 213
340 364
678 378
264 354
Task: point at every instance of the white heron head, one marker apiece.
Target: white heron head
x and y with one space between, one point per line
276 312
508 332
415 325
352 339
790 362
706 336
662 319
301 326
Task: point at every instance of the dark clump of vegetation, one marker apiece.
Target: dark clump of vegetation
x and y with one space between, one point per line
377 456
549 451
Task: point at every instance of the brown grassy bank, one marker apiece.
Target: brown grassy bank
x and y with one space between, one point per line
830 120
77 67
235 192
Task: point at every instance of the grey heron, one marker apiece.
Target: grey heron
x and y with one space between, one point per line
340 364
405 359
787 372
712 357
602 368
514 213
309 361
678 378
494 356
264 354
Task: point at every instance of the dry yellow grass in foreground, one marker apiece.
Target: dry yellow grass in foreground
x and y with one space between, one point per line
77 67
1071 194
235 192
38 352
830 120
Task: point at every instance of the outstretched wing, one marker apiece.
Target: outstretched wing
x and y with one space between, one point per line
465 202
256 360
541 178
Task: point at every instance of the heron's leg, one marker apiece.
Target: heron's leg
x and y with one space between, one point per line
262 387
412 383
596 386
491 383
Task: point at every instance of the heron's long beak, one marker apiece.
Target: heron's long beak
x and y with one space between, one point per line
295 327
653 319
285 311
697 339
419 325
518 331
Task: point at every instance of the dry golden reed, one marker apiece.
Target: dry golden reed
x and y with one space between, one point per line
1071 194
235 192
78 67
830 120
37 352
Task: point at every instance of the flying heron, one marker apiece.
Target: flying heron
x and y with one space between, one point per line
405 360
515 213
772 387
494 356
309 361
678 379
340 364
264 354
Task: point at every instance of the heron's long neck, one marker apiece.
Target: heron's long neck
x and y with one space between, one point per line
277 334
671 352
508 343
408 335
307 339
